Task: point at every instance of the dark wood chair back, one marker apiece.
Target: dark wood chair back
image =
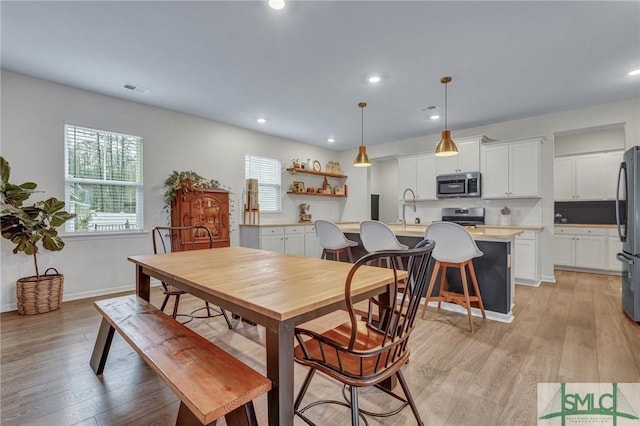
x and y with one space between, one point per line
181 238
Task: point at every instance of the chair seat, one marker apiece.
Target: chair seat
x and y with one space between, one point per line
350 364
173 291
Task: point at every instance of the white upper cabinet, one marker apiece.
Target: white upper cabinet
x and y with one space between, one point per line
467 160
418 173
512 169
586 177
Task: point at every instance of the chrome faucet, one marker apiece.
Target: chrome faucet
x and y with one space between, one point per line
405 204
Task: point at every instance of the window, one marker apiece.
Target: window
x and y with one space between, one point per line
267 171
103 180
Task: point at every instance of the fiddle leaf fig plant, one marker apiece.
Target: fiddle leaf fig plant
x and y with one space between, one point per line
27 226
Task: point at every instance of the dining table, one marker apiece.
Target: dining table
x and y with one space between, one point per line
275 290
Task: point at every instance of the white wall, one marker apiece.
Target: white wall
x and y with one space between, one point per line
33 116
625 113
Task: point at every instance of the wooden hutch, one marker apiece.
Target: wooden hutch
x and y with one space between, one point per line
210 208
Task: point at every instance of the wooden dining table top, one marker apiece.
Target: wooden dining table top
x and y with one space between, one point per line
276 285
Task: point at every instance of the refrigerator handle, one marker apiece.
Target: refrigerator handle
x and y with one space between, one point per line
623 168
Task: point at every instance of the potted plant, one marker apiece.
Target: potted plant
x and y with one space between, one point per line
189 181
26 227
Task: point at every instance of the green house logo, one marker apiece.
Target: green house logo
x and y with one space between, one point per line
584 405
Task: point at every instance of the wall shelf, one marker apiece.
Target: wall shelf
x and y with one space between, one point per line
315 194
313 172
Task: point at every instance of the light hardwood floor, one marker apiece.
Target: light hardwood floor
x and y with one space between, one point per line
571 331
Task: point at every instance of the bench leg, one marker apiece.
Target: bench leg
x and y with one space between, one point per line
241 416
102 346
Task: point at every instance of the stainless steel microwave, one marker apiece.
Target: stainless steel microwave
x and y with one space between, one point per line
458 185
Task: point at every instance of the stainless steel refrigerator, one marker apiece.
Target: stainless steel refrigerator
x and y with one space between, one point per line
628 219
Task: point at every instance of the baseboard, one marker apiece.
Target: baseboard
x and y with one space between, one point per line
528 283
495 316
549 279
587 270
83 295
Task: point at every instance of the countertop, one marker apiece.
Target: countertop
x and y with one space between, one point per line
411 228
586 225
419 231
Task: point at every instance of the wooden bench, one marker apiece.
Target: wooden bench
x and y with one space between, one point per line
209 382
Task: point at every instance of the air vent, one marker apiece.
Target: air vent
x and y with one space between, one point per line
428 108
135 88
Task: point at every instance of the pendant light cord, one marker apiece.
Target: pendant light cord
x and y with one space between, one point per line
446 97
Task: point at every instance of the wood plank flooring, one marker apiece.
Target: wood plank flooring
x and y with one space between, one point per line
571 331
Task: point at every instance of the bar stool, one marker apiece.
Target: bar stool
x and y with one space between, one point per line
455 248
332 240
377 236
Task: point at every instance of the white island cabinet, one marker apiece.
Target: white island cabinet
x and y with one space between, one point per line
511 169
299 240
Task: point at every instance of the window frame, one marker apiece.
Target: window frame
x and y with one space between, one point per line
70 226
277 187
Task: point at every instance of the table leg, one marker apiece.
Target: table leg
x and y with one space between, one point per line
279 339
143 284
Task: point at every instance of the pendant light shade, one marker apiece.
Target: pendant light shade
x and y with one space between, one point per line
362 159
446 147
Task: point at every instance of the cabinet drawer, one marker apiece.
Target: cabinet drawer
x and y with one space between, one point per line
271 230
613 232
310 229
581 231
527 235
294 229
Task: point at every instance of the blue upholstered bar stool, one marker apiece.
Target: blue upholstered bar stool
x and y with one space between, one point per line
455 248
332 240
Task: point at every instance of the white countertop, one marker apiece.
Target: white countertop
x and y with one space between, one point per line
419 231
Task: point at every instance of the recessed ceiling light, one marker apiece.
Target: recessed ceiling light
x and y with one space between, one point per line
276 4
135 88
634 72
374 79
434 117
331 140
261 120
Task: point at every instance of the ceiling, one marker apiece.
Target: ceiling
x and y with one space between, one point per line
305 68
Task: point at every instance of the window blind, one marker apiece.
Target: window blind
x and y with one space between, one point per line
103 180
268 172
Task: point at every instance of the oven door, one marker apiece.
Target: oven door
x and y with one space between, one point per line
452 187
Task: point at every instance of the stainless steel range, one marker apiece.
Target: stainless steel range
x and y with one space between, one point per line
464 216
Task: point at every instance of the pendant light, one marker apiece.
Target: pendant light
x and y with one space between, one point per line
447 146
362 159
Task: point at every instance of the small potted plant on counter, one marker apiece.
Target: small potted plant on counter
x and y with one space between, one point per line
26 227
505 216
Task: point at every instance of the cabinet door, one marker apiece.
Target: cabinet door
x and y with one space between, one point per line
524 169
495 172
564 252
311 244
614 247
446 165
294 244
564 173
610 165
469 156
272 243
590 251
589 177
406 174
525 259
426 177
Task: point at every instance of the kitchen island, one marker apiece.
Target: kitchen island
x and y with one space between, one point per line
496 277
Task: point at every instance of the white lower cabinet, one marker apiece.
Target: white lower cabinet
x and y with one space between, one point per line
526 258
581 247
311 244
281 239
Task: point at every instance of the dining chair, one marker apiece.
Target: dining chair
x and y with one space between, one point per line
184 238
455 248
332 240
364 352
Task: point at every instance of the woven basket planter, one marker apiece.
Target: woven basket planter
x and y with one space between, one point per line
37 296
